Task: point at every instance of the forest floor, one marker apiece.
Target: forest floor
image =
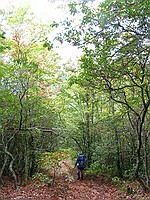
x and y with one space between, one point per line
67 187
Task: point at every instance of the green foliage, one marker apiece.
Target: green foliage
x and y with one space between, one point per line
52 161
28 72
3 44
116 180
99 108
73 9
129 173
48 44
100 167
68 177
41 179
115 61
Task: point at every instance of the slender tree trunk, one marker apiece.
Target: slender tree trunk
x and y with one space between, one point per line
89 142
138 156
146 160
11 167
119 160
32 163
3 167
8 154
139 126
26 160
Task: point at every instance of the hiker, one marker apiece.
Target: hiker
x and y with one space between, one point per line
81 164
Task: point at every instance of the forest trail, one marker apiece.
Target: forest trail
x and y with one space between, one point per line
67 187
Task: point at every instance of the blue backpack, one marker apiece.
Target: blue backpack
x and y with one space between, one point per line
81 162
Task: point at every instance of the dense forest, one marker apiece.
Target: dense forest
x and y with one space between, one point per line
98 104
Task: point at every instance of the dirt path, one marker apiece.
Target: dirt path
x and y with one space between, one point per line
67 188
89 188
62 190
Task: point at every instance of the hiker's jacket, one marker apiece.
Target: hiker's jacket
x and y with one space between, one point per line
81 162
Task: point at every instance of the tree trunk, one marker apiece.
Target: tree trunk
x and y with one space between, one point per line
146 160
3 167
26 160
11 167
119 160
138 156
88 136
